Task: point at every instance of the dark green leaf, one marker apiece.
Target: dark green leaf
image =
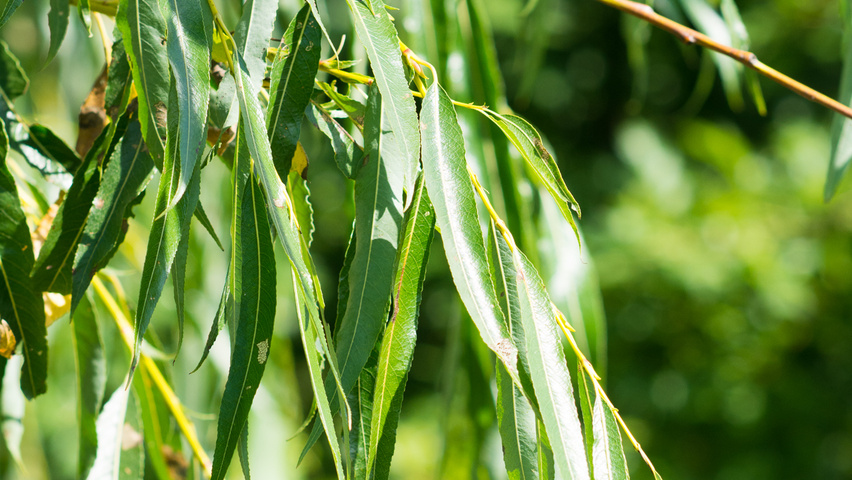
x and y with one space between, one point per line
57 20
609 460
53 269
21 304
13 80
143 31
254 328
291 84
169 226
397 347
119 76
361 400
378 35
91 381
346 152
124 179
448 183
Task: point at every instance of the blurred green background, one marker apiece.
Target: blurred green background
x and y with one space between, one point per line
726 279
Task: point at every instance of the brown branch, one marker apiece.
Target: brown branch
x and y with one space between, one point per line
749 59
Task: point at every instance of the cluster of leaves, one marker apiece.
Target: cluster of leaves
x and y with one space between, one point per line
163 104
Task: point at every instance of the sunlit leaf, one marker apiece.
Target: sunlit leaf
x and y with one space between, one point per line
378 35
841 129
143 31
189 58
85 13
124 179
608 453
447 181
91 381
361 400
21 303
291 84
120 453
254 327
586 409
397 347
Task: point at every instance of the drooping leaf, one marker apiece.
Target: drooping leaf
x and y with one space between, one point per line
57 20
741 40
291 84
346 152
155 423
85 13
354 109
143 31
447 181
378 217
586 408
546 467
254 327
91 381
841 128
169 226
608 452
378 35
119 80
124 179
121 453
361 400
397 347
217 326
21 304
13 80
189 58
528 142
550 376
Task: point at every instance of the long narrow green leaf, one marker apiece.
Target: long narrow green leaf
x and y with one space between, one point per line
85 13
91 381
121 451
143 31
169 226
378 215
254 328
57 20
189 58
546 467
124 179
586 408
353 109
447 181
378 35
609 460
346 152
314 356
119 80
291 85
361 400
20 302
397 348
550 376
841 127
515 416
528 142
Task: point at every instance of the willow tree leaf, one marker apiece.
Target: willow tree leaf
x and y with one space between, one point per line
301 195
49 145
143 31
52 271
608 452
13 80
91 381
346 151
119 80
447 181
21 303
84 11
291 85
169 226
397 347
528 142
361 400
353 109
254 327
379 37
314 356
546 467
189 58
121 453
515 414
57 20
841 132
550 376
378 217
124 179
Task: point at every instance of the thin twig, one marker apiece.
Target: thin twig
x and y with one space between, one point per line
749 59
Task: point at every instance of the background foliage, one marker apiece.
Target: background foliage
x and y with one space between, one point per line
724 275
